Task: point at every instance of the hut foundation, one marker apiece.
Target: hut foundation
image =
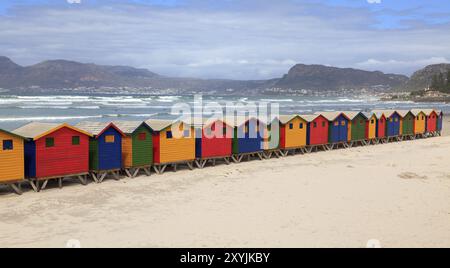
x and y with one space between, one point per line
161 168
201 162
99 176
133 172
37 186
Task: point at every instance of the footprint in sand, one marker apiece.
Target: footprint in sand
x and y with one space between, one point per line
411 175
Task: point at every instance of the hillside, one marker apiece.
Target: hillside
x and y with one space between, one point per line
321 77
423 78
57 74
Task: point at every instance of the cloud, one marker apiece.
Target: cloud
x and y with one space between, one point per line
246 39
74 1
374 1
392 64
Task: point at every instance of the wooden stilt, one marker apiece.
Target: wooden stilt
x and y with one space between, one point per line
227 160
147 171
102 176
94 177
34 185
136 172
16 188
43 185
191 166
127 172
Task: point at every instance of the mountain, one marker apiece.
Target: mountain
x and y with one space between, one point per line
321 77
422 79
57 74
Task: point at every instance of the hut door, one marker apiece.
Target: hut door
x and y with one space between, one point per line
343 130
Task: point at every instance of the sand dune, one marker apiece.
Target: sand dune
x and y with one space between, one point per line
396 193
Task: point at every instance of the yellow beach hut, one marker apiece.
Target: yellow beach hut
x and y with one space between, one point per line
371 128
293 132
12 170
173 144
419 123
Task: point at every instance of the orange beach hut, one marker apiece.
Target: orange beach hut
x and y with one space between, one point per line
12 169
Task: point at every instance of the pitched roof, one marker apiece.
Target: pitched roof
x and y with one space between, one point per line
331 116
403 113
36 130
97 128
238 121
310 117
158 124
353 114
427 112
386 113
128 127
11 133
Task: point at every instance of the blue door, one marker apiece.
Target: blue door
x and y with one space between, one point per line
110 150
343 129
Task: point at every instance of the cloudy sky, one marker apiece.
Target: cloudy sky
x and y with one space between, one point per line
238 39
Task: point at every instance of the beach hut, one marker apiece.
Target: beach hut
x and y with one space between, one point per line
137 147
381 127
431 122
420 122
271 138
358 127
173 144
339 129
12 170
213 141
407 121
393 119
317 132
247 137
371 128
293 132
105 149
54 151
439 122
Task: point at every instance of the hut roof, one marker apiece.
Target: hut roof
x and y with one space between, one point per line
128 127
439 112
238 121
386 113
309 117
36 130
369 115
427 112
12 134
403 113
159 125
331 116
353 114
97 128
284 119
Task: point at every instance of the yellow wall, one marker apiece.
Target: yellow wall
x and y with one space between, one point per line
127 151
176 149
372 133
349 131
295 137
11 162
419 126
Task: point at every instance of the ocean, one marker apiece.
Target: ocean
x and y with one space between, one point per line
19 110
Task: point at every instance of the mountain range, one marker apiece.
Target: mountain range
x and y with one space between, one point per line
57 74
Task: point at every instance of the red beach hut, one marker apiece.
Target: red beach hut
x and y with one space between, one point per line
54 151
317 135
213 140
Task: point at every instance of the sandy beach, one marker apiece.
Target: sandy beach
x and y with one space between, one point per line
397 193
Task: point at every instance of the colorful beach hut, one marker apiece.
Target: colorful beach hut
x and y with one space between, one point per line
293 132
12 170
213 141
393 119
247 137
339 129
420 123
407 120
439 122
431 122
381 127
54 151
271 138
317 132
371 128
173 144
105 149
358 127
137 147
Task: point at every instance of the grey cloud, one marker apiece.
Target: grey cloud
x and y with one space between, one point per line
217 42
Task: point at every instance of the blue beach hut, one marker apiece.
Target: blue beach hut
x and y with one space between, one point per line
338 128
393 119
105 149
247 137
